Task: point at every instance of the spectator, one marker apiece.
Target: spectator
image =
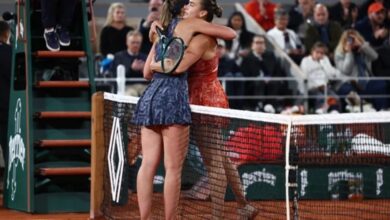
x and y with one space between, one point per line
5 81
353 58
240 46
113 35
263 64
318 70
323 30
134 62
301 14
345 12
57 16
364 7
227 67
287 39
263 12
144 26
381 66
372 27
353 17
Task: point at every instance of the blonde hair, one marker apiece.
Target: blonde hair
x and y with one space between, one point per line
344 38
166 15
110 12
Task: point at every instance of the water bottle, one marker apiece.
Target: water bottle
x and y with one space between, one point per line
121 79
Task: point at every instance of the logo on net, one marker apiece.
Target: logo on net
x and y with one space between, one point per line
258 177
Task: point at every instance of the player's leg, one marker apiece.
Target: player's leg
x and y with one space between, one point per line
151 150
209 143
176 139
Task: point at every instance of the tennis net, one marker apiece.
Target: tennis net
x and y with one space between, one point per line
241 162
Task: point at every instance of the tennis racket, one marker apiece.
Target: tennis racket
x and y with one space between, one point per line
172 51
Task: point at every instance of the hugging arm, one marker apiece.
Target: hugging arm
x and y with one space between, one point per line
148 72
207 28
196 25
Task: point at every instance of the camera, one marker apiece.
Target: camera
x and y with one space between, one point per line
350 39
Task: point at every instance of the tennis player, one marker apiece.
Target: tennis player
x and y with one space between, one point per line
163 111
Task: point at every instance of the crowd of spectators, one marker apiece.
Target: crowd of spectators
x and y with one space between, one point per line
334 45
339 48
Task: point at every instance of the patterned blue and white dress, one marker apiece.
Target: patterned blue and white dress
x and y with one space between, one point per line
165 101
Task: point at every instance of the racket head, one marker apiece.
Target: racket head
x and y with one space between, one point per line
172 55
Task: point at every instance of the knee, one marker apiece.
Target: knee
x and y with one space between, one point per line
149 166
173 169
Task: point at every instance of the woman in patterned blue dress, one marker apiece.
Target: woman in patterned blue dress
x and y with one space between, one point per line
163 111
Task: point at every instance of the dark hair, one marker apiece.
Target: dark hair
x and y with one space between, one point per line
212 9
171 9
4 28
280 12
319 44
239 14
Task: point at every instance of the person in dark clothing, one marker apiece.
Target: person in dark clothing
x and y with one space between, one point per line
373 26
322 29
57 16
240 46
113 35
133 60
381 66
227 67
300 14
5 80
144 26
263 64
345 12
364 7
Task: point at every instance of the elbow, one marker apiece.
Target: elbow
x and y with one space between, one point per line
148 77
232 35
147 74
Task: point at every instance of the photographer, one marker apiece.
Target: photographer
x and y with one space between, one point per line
353 57
144 27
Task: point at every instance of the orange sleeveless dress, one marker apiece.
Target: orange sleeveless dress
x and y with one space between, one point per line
204 86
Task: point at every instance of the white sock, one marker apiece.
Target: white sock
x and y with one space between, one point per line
47 30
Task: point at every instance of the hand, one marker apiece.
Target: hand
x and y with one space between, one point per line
243 52
152 16
381 33
348 47
296 51
357 43
156 66
153 27
138 65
